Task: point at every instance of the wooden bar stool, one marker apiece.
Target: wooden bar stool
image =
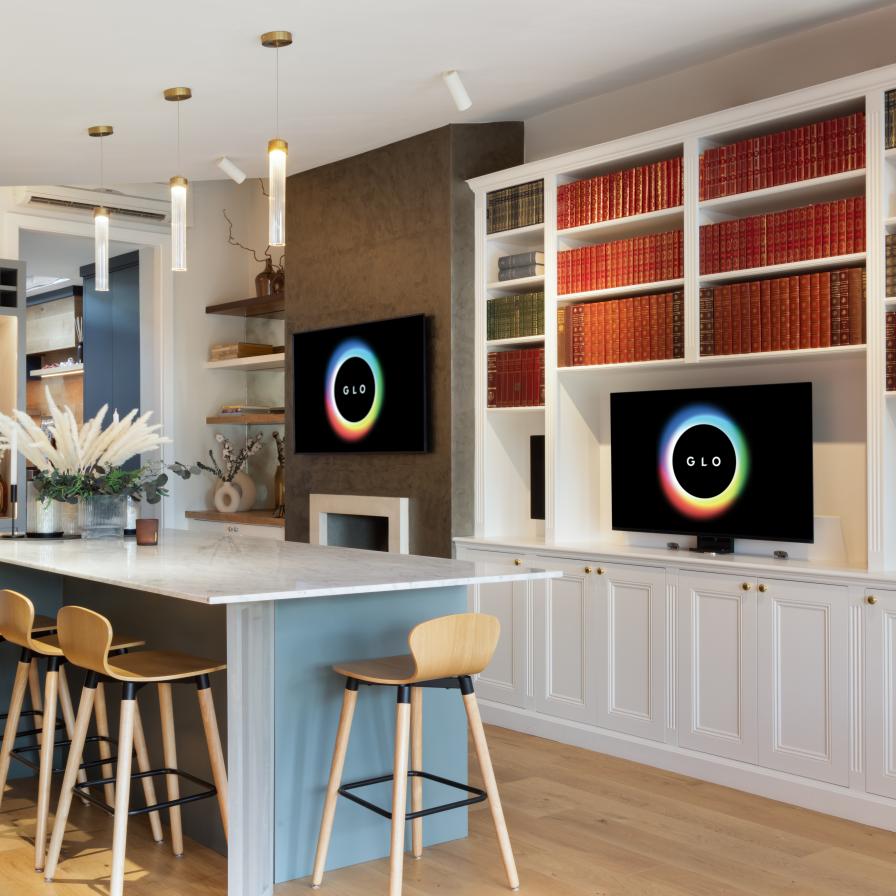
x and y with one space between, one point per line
87 640
20 626
445 653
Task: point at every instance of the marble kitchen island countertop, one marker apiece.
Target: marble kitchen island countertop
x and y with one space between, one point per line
222 569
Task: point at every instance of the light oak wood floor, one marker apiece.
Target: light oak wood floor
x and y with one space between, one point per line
582 824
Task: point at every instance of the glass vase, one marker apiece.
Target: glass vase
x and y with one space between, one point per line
102 516
43 518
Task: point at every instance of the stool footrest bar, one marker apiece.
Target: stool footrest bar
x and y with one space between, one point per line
479 796
30 714
83 791
19 754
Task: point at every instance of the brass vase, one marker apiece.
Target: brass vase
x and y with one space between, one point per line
279 493
264 281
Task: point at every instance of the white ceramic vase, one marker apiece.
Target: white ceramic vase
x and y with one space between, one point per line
227 497
246 487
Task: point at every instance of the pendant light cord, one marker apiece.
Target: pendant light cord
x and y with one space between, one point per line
101 163
178 137
277 92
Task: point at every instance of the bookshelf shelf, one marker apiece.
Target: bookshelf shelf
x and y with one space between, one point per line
620 228
622 366
271 307
257 362
890 224
790 355
521 237
521 284
245 518
246 419
526 409
634 289
61 370
793 267
801 192
515 341
890 302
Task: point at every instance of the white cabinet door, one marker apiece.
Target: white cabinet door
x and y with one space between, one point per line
631 649
717 665
880 690
504 681
565 619
804 679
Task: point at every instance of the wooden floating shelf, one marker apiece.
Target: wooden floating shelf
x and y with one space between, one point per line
246 518
790 267
246 419
66 370
805 192
521 284
515 341
634 289
273 307
257 362
631 225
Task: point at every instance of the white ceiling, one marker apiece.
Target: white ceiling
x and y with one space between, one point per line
360 74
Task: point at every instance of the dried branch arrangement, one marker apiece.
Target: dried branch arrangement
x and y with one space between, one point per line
278 265
232 463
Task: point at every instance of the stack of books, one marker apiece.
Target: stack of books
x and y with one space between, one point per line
813 231
515 207
815 310
634 191
813 150
231 350
524 264
640 259
509 317
516 378
618 331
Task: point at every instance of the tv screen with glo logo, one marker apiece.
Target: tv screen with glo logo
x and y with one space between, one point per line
732 461
362 388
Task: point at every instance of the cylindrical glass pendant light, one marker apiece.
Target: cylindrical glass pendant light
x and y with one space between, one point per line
178 185
101 248
277 192
178 223
101 221
277 150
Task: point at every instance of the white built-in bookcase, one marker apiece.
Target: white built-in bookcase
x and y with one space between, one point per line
855 426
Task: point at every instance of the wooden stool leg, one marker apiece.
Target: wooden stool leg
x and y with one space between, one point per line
417 766
399 790
68 715
45 777
12 719
169 744
149 788
213 739
102 729
75 754
122 789
36 700
349 700
491 785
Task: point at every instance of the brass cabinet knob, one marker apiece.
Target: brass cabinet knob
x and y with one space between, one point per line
588 570
871 599
746 586
600 570
763 588
517 562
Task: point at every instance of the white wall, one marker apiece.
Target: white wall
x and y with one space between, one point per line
820 54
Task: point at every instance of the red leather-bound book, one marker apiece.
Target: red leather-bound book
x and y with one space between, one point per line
761 290
824 335
834 281
727 335
736 318
746 312
805 314
675 301
793 288
600 333
856 287
774 287
814 310
492 379
843 289
718 318
654 303
783 312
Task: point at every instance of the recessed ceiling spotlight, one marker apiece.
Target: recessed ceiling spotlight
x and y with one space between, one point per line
457 90
232 171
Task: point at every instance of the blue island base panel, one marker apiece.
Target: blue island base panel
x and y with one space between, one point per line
312 635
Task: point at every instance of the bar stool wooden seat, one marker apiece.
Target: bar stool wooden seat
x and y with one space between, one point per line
87 640
34 635
445 653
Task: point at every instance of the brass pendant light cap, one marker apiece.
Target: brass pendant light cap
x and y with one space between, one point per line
276 39
177 94
101 212
277 143
100 130
178 181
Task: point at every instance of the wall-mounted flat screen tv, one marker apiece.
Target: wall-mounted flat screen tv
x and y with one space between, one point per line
728 461
362 388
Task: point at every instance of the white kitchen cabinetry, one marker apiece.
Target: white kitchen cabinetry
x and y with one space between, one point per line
880 691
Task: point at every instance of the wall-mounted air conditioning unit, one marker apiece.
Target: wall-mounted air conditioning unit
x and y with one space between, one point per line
138 207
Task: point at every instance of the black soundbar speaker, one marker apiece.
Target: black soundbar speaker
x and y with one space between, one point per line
536 477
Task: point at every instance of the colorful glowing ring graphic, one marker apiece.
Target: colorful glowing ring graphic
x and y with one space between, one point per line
353 430
683 501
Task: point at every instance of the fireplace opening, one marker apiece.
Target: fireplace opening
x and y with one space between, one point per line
349 530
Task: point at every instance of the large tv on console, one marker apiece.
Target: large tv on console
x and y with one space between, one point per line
728 462
362 388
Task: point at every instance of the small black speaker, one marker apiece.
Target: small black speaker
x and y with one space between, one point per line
536 477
